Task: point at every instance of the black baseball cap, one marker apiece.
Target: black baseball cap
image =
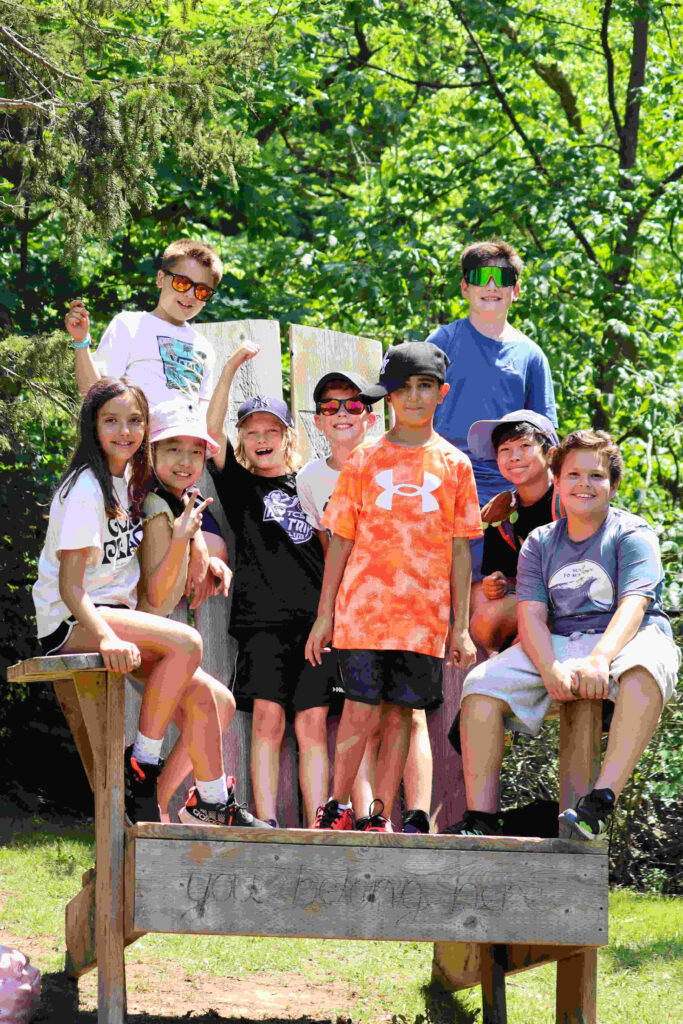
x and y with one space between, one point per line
410 358
354 379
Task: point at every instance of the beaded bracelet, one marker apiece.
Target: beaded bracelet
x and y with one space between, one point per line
86 343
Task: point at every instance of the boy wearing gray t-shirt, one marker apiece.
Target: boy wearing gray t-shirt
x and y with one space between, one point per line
591 625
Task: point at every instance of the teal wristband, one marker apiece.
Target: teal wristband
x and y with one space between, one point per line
86 343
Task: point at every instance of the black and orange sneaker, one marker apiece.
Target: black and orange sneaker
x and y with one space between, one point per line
140 785
375 821
229 815
332 816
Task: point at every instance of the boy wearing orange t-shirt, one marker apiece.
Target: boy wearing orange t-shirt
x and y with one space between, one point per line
402 515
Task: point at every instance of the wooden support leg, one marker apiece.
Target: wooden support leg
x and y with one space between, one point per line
493 966
577 984
580 732
108 694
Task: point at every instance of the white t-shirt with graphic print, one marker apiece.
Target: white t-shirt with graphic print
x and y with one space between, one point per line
314 483
166 361
112 569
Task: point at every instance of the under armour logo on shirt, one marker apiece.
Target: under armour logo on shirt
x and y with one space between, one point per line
385 479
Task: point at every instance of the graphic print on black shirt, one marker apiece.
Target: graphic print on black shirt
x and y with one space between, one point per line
286 510
278 557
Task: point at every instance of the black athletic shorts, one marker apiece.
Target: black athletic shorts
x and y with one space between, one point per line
271 666
397 677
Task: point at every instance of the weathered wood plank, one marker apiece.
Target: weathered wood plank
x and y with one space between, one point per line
577 984
354 892
312 837
316 351
493 1003
457 965
40 670
90 688
65 690
109 853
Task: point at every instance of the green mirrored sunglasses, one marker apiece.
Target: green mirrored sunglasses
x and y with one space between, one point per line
503 277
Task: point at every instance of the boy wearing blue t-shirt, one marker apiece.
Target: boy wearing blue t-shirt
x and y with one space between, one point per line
494 368
591 625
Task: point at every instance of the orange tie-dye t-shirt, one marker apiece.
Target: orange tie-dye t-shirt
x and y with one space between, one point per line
401 507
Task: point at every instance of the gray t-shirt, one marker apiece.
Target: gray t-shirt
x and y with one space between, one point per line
582 582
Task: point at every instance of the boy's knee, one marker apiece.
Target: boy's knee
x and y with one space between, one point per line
190 644
310 726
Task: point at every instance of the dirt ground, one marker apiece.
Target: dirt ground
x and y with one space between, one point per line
168 995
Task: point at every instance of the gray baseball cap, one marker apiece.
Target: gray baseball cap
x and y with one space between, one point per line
479 434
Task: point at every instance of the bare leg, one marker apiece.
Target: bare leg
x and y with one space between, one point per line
310 727
494 622
483 740
393 751
171 654
418 772
267 730
178 764
363 788
636 714
357 722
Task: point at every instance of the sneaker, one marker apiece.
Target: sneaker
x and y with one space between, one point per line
476 823
416 821
140 784
375 821
592 814
332 816
229 815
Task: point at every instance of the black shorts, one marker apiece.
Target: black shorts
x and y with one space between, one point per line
397 677
54 641
271 666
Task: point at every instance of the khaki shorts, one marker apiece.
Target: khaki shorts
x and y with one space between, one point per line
512 677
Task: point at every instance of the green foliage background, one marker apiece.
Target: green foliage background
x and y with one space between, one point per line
339 155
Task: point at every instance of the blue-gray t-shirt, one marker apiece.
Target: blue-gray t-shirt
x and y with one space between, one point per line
488 379
582 582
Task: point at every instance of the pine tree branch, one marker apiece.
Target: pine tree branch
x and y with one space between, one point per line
36 56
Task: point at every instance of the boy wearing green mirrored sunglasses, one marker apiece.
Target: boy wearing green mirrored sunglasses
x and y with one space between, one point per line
493 365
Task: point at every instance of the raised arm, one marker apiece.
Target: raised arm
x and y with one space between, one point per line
218 406
77 323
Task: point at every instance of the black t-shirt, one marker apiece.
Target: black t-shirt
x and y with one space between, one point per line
498 555
278 557
177 507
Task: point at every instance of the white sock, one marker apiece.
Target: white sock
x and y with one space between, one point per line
146 750
343 807
214 791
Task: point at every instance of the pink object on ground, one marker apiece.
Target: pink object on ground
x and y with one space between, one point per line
19 987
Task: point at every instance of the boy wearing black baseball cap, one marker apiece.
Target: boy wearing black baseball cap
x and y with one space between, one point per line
401 517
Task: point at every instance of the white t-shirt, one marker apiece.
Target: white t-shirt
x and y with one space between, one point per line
164 360
314 484
112 569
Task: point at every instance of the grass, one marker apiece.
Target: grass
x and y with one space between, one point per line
641 970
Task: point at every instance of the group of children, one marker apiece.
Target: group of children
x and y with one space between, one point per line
367 552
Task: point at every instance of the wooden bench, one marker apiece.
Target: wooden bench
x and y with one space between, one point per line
491 905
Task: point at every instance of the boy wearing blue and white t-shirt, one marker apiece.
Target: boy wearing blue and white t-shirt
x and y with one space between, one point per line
591 625
159 351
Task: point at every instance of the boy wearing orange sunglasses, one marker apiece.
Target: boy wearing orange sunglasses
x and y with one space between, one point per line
159 351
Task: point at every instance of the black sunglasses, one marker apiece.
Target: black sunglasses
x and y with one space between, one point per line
181 283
